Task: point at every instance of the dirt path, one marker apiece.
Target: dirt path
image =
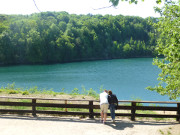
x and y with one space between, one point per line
26 125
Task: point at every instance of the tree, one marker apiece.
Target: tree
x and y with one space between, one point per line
45 37
34 50
169 46
126 49
6 49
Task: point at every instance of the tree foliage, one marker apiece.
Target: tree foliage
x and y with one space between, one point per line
168 45
56 37
116 2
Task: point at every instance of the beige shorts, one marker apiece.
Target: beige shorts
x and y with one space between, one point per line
104 108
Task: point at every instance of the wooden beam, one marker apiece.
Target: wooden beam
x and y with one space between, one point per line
34 107
178 112
156 108
133 111
91 110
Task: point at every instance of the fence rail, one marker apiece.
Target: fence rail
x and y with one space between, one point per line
36 105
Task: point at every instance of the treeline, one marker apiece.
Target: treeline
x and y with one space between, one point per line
57 37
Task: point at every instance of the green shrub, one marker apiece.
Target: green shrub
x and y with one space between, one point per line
54 94
25 93
10 86
92 93
61 93
12 92
75 91
33 90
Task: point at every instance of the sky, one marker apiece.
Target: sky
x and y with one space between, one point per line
142 9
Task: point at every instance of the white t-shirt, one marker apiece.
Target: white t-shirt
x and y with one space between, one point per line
103 98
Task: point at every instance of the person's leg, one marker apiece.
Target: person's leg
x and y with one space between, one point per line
105 112
105 116
113 113
102 112
102 115
112 110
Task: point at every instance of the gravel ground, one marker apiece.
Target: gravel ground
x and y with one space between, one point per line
48 125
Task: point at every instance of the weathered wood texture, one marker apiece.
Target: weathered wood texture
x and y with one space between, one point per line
133 106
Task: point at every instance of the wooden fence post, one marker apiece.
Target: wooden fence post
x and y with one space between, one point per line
178 112
133 111
65 104
34 107
91 110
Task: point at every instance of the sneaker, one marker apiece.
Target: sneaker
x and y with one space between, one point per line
113 121
104 122
101 121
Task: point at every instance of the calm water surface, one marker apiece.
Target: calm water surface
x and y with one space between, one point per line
127 78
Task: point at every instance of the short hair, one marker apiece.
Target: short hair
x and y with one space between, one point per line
110 92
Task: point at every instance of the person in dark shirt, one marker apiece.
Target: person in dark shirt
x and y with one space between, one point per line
113 103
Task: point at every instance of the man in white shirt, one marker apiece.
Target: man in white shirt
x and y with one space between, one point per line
104 105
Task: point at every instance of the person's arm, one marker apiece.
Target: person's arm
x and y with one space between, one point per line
108 99
116 100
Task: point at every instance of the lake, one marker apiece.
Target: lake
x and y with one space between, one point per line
127 78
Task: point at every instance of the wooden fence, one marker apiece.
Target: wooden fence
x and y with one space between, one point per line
90 107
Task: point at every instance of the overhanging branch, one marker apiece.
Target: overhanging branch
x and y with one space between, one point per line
36 5
103 7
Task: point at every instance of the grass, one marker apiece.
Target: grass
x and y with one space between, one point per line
163 133
11 89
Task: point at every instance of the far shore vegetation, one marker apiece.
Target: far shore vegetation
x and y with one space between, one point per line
60 37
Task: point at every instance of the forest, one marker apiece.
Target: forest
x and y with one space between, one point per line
59 37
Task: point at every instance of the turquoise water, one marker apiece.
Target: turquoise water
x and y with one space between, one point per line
127 78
